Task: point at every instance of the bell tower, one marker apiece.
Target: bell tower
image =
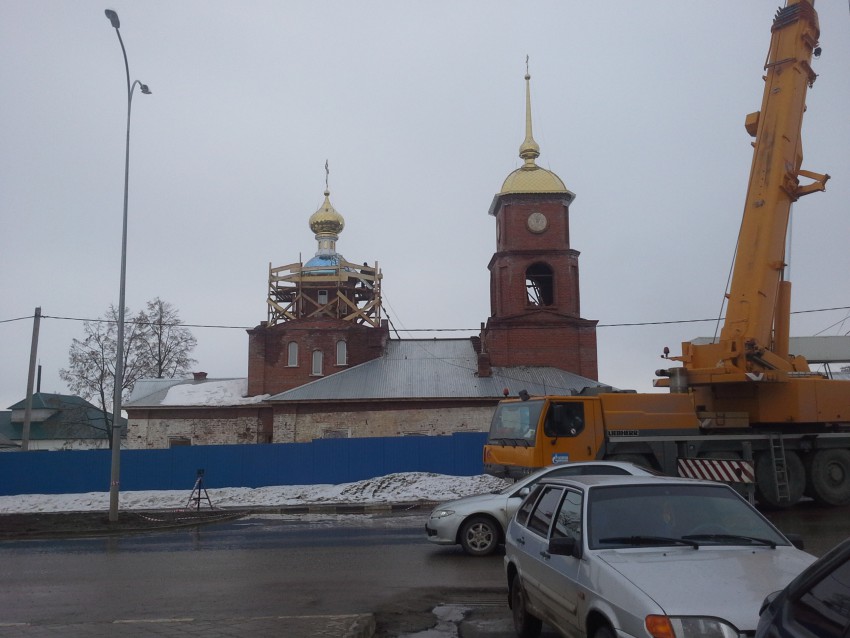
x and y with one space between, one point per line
535 315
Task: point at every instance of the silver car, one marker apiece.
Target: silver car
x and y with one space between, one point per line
647 557
478 522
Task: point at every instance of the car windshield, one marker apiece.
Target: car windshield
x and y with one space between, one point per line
515 423
642 515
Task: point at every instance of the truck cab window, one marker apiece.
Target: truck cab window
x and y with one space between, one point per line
515 422
564 419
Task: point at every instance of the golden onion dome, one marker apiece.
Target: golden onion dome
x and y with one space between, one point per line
531 178
326 220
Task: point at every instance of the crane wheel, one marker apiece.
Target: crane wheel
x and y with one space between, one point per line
768 493
828 474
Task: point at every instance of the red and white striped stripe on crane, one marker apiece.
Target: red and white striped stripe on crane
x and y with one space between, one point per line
726 470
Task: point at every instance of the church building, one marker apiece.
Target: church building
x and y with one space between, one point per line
322 364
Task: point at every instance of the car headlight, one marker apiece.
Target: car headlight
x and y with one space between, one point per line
689 627
441 513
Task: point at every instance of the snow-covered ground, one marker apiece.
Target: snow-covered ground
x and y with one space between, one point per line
393 488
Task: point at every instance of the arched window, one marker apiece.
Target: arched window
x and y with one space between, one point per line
341 353
539 285
292 354
317 363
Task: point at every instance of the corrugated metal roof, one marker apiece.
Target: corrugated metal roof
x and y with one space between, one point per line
56 416
52 401
411 369
432 369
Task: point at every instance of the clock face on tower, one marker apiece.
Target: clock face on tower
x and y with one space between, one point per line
537 222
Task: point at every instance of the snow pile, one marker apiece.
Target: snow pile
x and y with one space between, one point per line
393 488
227 392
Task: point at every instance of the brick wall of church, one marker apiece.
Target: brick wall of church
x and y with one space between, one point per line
301 423
563 346
156 429
269 371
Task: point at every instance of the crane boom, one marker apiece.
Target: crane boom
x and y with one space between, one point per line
754 336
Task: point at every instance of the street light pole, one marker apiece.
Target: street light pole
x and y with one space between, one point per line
115 471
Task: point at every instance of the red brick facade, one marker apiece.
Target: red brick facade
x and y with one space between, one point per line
544 327
270 370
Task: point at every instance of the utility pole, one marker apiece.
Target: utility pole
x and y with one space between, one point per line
25 433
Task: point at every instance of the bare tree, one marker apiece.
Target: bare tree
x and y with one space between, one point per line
167 344
154 345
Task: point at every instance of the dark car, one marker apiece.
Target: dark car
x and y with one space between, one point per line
816 604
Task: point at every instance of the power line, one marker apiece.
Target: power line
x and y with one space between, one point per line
478 329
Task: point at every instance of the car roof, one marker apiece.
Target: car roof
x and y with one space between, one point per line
594 480
624 465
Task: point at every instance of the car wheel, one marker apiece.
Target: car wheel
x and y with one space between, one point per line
829 477
525 625
479 536
603 632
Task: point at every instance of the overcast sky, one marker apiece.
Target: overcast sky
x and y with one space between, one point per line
419 109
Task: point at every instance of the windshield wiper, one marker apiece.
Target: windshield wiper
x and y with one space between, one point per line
733 537
650 540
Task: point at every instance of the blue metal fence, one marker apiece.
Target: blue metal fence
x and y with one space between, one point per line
321 461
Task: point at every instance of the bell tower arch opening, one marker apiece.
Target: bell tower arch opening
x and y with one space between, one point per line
540 284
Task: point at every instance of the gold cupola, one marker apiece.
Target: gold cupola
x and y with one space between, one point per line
531 178
326 220
327 224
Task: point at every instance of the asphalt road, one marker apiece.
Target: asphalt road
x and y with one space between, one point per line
259 567
250 568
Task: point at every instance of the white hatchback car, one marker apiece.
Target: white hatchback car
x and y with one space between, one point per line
478 522
624 557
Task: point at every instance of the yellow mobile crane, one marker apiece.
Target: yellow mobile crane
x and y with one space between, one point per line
743 408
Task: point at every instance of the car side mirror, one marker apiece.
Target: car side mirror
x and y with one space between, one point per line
768 600
796 540
565 547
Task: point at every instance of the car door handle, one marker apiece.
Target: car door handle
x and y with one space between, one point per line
520 540
546 554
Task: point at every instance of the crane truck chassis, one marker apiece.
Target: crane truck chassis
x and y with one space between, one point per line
741 408
665 432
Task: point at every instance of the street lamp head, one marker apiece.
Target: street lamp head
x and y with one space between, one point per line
144 88
113 18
